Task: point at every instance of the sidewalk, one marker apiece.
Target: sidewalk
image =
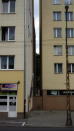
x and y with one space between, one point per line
41 119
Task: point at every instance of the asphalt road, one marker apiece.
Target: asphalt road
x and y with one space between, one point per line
34 129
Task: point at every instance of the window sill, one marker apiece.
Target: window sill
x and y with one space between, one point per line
58 73
9 13
56 4
58 55
7 69
71 73
68 4
57 20
69 20
70 55
9 41
57 37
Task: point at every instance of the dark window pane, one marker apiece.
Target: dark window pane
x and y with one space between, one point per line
12 98
58 16
3 103
3 97
68 33
12 103
69 68
12 6
54 32
71 32
55 68
53 1
4 34
48 92
67 16
54 16
71 16
3 62
62 92
12 93
72 68
58 2
70 1
12 33
52 92
11 62
58 32
59 68
5 7
66 2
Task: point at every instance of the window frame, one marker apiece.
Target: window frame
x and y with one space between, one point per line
71 68
69 16
8 34
70 32
71 50
9 8
56 33
57 68
7 63
57 49
68 3
57 4
56 16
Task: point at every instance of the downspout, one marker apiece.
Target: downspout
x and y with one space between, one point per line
25 62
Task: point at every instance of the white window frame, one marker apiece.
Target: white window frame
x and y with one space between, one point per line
56 16
57 68
57 4
69 2
8 34
69 16
56 46
9 8
7 63
8 101
71 49
56 32
71 68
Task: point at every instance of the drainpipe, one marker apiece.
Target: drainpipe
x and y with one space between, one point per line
25 61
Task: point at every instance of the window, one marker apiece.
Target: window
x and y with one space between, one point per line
58 2
71 68
70 33
70 50
57 50
8 6
7 62
59 92
8 33
57 32
52 92
69 16
66 2
57 68
56 16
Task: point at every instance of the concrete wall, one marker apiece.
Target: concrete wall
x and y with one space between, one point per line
37 103
15 47
51 81
52 103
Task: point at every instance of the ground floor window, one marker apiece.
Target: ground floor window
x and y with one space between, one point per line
59 92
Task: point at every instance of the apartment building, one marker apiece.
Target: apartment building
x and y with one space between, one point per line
53 53
16 57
